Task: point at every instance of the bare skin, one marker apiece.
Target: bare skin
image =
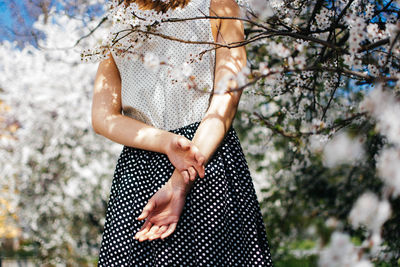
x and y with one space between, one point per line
107 120
164 208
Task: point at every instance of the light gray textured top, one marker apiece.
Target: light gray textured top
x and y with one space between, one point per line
155 97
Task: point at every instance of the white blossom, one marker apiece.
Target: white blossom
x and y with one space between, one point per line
151 62
341 252
342 149
278 49
57 163
262 8
369 211
384 107
182 72
388 168
317 142
323 19
363 263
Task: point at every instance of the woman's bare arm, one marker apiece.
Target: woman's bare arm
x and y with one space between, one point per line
223 107
107 120
210 133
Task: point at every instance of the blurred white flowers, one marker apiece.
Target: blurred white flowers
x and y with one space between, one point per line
341 252
342 150
302 101
231 81
262 8
58 172
126 34
182 72
385 108
369 211
388 169
151 62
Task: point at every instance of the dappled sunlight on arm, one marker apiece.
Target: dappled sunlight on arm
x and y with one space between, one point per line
107 117
228 62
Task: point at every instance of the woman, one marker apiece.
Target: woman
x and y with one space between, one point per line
171 136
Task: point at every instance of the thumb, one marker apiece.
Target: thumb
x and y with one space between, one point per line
146 210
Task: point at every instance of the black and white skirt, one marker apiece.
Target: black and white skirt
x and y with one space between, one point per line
220 225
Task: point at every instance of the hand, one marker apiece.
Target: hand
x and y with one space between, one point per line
162 212
186 158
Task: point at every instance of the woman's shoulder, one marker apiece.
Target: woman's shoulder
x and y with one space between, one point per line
225 8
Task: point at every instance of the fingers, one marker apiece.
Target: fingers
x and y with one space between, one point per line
185 176
199 162
142 232
146 210
149 235
193 160
192 173
169 231
160 231
200 167
199 158
202 171
155 231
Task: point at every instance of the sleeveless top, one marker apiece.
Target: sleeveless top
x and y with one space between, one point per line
157 98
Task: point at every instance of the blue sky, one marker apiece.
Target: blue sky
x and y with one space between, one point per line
5 18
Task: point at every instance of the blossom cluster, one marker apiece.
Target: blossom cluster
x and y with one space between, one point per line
314 66
134 31
384 107
313 63
129 32
55 171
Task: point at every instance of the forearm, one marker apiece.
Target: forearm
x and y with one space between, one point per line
228 63
210 133
218 119
108 120
219 116
130 132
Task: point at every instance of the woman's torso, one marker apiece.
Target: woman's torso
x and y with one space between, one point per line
154 97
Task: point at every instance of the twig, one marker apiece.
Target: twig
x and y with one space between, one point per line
92 31
336 126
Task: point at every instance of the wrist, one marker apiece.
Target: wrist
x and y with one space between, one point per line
177 183
168 138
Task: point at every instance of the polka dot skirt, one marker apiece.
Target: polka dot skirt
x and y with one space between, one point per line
220 225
